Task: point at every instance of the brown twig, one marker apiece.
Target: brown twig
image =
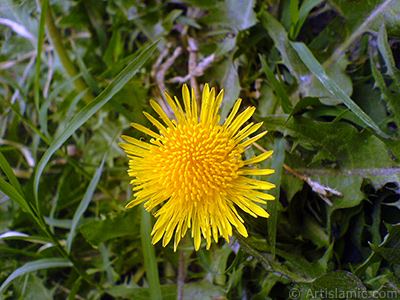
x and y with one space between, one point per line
159 71
67 290
195 69
323 191
193 58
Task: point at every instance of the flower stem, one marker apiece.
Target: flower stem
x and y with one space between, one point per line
181 274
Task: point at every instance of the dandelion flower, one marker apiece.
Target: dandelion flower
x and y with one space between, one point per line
193 170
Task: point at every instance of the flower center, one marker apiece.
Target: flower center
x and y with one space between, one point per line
195 160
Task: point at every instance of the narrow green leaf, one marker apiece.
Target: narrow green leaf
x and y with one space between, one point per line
387 55
41 264
14 195
10 174
84 204
305 9
39 51
150 260
44 138
90 109
280 91
24 120
107 265
272 206
294 11
46 103
15 235
393 91
86 74
280 37
315 67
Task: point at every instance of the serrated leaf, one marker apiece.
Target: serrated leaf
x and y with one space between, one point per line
354 155
99 231
140 293
238 15
393 233
370 15
300 265
32 287
338 283
203 290
228 77
303 104
392 255
366 154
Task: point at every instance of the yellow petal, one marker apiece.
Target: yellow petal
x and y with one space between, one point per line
136 142
258 172
145 130
258 158
253 139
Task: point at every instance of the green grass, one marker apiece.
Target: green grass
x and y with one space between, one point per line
324 77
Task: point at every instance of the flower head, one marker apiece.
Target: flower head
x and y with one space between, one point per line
193 170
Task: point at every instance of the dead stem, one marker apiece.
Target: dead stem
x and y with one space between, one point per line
195 69
181 275
323 191
159 71
193 58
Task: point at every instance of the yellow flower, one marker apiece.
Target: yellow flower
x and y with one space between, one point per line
193 171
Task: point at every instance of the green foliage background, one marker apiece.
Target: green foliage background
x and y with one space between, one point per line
324 76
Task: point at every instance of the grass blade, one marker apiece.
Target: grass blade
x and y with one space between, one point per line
304 10
36 130
46 103
315 67
392 92
150 260
283 97
39 51
90 109
41 264
387 55
84 204
10 174
14 195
